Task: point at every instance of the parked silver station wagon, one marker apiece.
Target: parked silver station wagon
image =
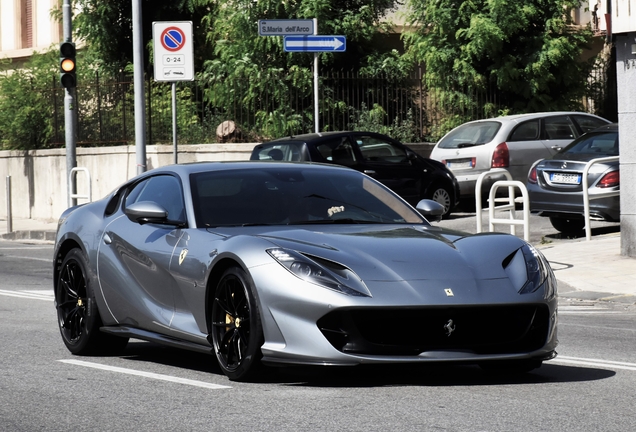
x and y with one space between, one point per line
510 142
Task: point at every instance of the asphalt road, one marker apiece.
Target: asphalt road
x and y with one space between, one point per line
589 387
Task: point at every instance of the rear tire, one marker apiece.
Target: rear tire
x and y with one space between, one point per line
568 226
77 315
237 333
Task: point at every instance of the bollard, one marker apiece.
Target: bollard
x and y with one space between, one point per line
9 218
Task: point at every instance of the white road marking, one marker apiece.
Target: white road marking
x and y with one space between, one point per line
25 248
587 310
156 376
595 362
597 327
34 295
28 258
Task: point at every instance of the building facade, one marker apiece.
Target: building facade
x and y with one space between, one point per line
622 28
27 26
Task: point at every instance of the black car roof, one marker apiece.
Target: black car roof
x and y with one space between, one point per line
315 136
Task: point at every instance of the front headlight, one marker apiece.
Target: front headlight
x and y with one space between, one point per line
528 269
319 271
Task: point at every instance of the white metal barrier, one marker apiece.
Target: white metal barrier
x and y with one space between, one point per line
74 172
510 201
586 195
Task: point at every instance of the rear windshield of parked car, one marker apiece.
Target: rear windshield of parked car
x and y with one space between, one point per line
470 134
601 144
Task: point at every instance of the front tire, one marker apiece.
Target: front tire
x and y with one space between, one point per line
77 314
237 333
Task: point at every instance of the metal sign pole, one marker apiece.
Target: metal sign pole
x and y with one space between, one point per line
316 122
174 120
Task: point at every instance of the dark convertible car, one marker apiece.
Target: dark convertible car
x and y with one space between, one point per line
295 263
410 175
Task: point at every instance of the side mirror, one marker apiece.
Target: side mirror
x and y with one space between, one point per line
146 212
431 210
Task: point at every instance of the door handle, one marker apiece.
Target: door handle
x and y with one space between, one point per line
369 172
107 239
556 147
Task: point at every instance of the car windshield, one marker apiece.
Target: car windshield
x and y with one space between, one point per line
294 195
601 144
470 134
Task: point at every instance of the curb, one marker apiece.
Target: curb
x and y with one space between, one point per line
30 235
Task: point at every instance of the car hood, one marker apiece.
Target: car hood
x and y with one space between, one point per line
404 253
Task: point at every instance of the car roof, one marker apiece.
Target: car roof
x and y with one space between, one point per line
196 167
314 136
517 117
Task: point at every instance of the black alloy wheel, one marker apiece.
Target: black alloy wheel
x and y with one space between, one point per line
237 334
78 317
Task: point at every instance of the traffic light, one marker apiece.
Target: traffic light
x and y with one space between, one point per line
67 65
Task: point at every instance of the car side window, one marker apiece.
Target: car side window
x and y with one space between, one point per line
378 150
526 131
164 190
337 150
588 123
559 128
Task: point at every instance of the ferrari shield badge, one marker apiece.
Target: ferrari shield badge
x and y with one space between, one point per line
449 292
182 255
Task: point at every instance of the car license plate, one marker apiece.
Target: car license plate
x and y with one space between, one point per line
460 163
565 178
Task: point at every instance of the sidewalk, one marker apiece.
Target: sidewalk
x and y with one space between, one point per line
586 270
28 229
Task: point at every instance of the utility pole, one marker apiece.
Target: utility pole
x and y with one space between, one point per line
140 101
70 114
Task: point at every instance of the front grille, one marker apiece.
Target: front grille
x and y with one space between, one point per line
411 331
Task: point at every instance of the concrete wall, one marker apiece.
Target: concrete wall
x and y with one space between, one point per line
626 82
39 183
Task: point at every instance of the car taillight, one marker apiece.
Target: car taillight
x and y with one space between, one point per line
532 175
610 179
501 156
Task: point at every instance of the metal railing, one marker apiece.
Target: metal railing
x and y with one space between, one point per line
76 195
511 203
586 194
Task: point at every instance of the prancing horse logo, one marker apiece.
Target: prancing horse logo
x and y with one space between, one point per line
449 327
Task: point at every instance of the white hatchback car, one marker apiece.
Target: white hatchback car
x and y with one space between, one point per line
512 142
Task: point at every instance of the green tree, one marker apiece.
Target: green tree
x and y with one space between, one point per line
26 103
106 26
253 73
525 51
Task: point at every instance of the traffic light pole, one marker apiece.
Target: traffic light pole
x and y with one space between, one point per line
140 100
70 114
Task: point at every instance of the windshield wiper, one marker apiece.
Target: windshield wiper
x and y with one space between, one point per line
334 221
464 145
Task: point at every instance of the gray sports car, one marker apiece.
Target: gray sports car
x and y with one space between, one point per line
295 263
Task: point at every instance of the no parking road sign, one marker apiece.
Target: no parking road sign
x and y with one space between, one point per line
173 51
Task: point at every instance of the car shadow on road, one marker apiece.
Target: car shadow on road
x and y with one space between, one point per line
366 376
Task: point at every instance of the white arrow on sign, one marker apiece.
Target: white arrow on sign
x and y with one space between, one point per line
317 43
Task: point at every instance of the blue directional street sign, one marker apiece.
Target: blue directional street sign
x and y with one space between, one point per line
316 43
